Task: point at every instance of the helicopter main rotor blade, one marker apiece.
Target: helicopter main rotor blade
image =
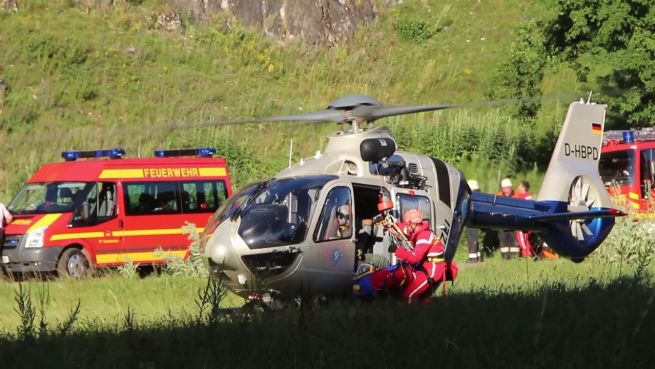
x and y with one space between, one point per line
383 111
369 110
319 116
330 115
371 113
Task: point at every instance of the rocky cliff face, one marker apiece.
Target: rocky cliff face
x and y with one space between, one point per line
312 20
9 5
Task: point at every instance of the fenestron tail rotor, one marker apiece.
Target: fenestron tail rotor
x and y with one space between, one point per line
580 199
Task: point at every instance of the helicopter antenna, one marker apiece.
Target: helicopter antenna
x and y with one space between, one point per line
290 151
497 181
589 98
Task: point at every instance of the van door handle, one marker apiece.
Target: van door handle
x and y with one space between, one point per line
120 224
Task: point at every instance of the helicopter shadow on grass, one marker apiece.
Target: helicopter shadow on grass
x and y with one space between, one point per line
596 326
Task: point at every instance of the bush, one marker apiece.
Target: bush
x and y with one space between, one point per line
129 270
415 30
630 243
192 267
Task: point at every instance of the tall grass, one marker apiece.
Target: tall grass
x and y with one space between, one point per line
585 324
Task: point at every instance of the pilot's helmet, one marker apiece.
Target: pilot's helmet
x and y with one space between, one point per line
343 214
413 216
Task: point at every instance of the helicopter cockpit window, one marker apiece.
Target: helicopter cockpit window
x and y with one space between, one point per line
278 212
336 218
232 206
407 202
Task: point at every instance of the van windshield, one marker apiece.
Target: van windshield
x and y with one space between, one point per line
617 168
52 197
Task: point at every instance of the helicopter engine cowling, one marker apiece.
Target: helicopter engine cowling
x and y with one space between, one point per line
376 149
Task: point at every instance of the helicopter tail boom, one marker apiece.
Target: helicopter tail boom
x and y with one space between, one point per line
571 233
573 211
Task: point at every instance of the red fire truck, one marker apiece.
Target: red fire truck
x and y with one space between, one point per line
77 215
627 166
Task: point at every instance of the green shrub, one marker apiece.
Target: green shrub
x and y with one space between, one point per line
415 30
631 243
129 270
194 266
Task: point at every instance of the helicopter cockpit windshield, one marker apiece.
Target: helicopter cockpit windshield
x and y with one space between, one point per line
279 213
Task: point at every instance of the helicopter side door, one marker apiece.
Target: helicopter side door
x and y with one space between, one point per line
330 255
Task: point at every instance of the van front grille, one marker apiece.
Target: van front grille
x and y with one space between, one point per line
12 241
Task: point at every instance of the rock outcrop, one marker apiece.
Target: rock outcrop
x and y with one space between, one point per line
9 5
3 92
312 20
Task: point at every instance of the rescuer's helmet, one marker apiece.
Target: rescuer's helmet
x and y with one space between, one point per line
473 184
413 216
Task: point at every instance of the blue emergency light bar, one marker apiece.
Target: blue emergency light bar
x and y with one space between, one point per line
628 137
205 152
111 153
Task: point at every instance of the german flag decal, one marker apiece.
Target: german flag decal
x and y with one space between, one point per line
596 128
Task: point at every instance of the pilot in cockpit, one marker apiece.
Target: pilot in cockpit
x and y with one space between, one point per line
344 222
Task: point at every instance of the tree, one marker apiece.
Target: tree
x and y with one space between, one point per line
616 40
520 75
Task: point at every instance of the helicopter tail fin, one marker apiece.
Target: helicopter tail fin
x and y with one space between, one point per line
576 154
572 178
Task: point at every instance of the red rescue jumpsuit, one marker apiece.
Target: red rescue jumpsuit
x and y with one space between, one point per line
523 238
428 252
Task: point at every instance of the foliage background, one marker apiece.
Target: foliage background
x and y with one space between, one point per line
80 79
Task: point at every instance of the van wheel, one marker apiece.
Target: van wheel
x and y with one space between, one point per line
73 263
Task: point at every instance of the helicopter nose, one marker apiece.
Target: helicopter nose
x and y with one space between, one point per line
218 252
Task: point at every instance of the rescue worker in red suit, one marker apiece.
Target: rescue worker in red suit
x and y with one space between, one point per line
428 252
421 270
523 238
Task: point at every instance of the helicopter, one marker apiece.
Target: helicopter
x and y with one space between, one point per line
278 238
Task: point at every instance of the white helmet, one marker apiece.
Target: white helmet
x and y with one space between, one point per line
506 182
473 184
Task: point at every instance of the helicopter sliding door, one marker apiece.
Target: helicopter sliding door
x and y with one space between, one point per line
329 258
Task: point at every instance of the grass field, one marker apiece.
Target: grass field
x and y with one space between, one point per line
499 314
106 299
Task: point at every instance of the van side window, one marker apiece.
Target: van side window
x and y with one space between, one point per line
336 218
106 200
202 196
149 198
95 204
